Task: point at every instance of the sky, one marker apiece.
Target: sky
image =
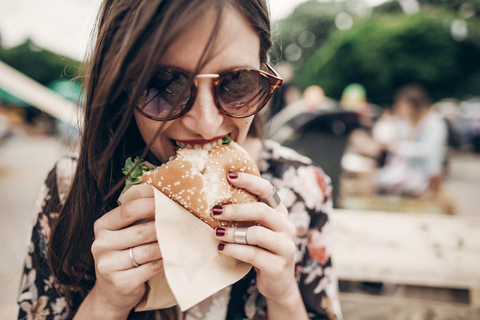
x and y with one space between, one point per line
64 26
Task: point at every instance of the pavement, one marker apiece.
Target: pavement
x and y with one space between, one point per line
24 164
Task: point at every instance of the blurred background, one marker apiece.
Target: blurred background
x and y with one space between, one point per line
384 95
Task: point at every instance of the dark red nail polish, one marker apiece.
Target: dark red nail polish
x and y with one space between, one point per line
233 175
221 246
217 210
220 232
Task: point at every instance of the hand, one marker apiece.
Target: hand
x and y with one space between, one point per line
271 246
120 285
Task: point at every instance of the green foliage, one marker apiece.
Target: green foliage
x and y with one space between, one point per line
454 5
388 7
316 17
39 64
389 51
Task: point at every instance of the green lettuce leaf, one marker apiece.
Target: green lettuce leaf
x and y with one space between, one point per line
136 167
226 140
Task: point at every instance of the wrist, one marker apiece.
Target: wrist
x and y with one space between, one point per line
291 303
104 310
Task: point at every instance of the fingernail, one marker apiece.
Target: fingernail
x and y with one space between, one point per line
217 210
220 232
233 175
221 246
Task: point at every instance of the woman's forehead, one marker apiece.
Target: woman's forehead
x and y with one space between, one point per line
236 45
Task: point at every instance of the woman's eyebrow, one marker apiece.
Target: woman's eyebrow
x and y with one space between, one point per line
173 67
219 71
242 66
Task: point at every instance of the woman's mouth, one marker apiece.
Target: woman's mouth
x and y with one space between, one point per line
199 144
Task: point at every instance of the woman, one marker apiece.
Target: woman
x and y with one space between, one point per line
415 157
140 101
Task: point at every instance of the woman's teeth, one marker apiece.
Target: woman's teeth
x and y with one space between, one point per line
206 146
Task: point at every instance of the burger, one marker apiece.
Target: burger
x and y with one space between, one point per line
196 179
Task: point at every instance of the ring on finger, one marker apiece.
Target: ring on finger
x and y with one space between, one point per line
241 235
132 259
273 200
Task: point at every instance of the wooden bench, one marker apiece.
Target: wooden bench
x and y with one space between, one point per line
410 249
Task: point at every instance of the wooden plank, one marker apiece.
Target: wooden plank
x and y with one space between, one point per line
38 95
475 297
424 249
372 307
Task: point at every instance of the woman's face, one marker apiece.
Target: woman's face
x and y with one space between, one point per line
404 109
237 46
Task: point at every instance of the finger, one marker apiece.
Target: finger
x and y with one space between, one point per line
142 273
275 242
258 212
256 185
141 254
267 262
127 214
131 237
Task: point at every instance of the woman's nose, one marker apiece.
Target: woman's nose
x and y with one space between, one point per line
204 118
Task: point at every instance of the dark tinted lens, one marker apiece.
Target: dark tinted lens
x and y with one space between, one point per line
167 90
242 93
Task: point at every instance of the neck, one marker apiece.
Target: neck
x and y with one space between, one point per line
419 116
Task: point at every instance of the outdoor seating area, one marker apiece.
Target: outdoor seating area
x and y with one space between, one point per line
355 132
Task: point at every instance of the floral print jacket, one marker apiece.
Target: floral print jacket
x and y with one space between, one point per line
304 189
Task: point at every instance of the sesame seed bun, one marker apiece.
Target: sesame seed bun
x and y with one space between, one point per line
197 180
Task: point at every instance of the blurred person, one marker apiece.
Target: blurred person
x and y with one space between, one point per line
471 122
287 94
313 97
372 142
415 160
162 73
450 111
312 102
291 94
354 98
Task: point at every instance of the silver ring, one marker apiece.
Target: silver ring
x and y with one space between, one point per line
130 253
241 235
272 200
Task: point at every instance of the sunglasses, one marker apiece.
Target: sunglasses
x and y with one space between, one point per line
238 93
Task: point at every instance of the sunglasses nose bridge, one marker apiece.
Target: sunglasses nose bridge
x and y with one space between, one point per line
215 78
212 76
207 76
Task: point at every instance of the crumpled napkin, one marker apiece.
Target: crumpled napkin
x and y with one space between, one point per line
193 267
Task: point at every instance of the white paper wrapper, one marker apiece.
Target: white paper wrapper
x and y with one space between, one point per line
194 269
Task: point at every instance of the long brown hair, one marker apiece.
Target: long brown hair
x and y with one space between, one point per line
131 38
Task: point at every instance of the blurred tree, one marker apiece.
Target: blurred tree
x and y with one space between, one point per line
41 65
388 7
391 50
464 8
299 35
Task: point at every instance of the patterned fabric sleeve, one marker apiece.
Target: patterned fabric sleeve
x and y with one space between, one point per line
41 296
306 192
